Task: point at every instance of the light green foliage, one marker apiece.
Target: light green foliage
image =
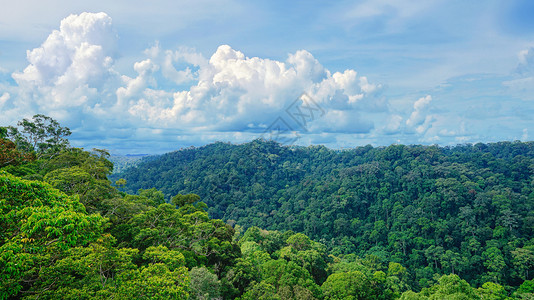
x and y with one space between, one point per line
308 254
77 181
154 281
43 234
289 279
204 284
84 272
397 278
248 248
260 275
349 285
261 291
120 183
492 291
299 242
161 254
449 287
374 280
494 261
452 287
523 260
75 171
525 290
153 196
411 295
39 224
189 229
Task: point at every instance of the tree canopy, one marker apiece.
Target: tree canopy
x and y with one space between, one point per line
262 221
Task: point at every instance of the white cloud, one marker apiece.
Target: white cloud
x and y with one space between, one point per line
82 47
71 77
3 99
425 125
418 116
235 92
522 84
526 62
72 68
181 96
394 125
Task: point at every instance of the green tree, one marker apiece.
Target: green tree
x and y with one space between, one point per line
525 290
289 279
38 225
495 263
204 284
181 200
451 287
41 134
347 285
261 291
492 291
523 260
10 155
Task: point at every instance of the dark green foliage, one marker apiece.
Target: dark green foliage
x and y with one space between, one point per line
408 222
526 290
466 210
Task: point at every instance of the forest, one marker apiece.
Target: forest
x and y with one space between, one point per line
264 221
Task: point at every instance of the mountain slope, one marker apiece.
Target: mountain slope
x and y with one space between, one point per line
434 209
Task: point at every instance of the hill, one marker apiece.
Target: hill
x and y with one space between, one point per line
67 233
466 210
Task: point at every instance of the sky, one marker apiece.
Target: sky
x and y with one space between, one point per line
155 76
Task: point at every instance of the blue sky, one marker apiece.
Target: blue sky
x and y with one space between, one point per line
156 76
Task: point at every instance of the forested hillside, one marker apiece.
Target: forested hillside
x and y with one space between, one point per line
465 210
123 162
438 227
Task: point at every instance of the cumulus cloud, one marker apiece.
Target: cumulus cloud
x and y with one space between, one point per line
420 107
171 61
179 96
79 51
71 77
72 70
234 92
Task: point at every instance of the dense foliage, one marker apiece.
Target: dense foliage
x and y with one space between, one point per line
466 210
66 232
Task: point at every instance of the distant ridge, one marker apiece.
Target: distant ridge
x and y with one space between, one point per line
123 162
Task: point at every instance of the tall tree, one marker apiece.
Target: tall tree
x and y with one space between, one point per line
41 134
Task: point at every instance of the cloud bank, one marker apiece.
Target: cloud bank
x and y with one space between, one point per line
179 97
